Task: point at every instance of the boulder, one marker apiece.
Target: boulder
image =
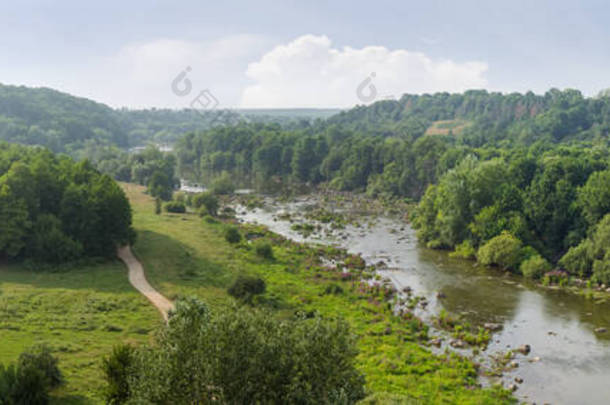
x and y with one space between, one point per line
436 342
492 326
457 343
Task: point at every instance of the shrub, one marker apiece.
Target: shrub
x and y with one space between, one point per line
241 355
232 234
264 250
503 250
210 219
535 267
180 196
203 211
464 250
117 368
30 381
207 200
175 207
245 287
40 358
577 260
158 206
223 185
601 270
333 289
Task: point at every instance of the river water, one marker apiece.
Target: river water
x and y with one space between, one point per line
569 361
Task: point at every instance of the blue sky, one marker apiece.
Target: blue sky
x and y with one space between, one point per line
301 54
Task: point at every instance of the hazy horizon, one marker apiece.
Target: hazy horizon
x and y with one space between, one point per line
314 55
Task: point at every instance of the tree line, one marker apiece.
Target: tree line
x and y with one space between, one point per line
54 210
538 179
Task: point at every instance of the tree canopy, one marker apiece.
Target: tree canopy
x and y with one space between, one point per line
55 210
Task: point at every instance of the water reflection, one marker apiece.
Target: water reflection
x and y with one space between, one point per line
574 361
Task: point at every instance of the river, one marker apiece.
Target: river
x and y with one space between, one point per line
569 361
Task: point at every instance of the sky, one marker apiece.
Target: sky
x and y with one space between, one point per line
287 54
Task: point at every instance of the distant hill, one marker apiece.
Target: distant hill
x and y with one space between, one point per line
64 123
57 120
478 117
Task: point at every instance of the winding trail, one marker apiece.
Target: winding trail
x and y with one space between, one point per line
137 278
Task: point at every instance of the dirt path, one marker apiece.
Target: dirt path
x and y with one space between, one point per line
138 280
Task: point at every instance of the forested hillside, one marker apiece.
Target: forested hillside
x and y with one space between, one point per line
528 171
64 123
486 117
56 120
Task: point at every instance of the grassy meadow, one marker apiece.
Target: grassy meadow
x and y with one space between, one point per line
82 313
79 313
186 255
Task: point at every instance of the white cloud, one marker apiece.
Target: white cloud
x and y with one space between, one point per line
140 75
309 72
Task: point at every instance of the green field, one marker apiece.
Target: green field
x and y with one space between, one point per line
185 255
82 313
79 313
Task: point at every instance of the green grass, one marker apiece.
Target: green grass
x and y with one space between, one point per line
445 127
185 255
79 313
82 313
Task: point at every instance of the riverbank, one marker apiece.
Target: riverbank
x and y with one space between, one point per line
564 331
185 255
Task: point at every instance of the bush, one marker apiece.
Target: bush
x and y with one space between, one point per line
207 200
30 381
117 368
232 234
241 356
175 207
333 289
535 267
601 270
40 358
210 219
180 196
245 287
264 250
503 250
223 185
464 250
577 260
592 255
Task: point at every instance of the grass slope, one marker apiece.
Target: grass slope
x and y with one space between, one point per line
79 313
82 313
185 255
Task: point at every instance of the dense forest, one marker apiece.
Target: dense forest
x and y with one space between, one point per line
64 123
54 210
522 169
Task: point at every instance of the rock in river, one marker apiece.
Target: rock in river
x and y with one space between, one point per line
457 343
524 349
492 326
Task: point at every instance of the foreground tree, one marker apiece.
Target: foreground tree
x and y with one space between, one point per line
243 356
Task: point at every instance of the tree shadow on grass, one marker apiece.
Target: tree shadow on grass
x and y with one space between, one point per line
71 400
164 258
167 260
